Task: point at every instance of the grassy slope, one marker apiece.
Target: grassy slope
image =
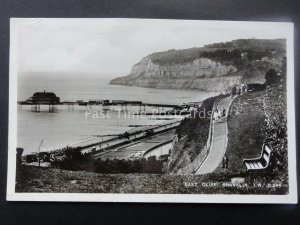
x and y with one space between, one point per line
189 145
260 46
257 118
49 180
245 125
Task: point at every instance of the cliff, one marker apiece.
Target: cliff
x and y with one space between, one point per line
215 67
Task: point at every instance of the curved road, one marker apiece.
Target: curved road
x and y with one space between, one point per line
219 142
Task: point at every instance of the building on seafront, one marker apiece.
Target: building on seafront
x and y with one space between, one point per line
44 98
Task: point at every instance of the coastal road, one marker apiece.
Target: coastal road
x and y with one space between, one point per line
219 142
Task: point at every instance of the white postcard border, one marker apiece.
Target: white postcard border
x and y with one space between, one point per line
290 198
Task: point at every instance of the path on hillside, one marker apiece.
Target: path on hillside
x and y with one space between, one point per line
219 142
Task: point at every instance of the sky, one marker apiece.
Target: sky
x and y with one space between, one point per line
110 47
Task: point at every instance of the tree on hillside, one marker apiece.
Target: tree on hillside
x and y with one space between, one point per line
272 77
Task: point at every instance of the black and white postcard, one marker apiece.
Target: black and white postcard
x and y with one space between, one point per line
151 110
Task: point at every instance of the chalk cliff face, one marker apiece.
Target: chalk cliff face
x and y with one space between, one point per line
205 84
209 69
200 67
201 73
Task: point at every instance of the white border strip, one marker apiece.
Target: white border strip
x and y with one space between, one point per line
287 31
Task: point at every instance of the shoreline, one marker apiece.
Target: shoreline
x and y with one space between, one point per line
161 88
123 127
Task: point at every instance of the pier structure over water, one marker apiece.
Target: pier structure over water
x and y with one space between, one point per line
106 105
41 98
50 99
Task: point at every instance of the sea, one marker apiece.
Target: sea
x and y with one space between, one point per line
72 125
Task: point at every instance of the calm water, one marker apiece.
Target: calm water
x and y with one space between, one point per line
72 126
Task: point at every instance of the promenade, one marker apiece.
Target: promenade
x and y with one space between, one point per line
137 149
134 134
219 141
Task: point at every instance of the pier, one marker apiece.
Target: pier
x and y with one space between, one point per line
36 106
50 99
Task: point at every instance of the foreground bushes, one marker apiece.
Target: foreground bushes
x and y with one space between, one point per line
75 160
